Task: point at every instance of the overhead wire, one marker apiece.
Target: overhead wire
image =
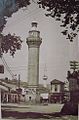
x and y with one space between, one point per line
7 67
19 68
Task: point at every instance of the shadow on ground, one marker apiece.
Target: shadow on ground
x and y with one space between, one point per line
68 109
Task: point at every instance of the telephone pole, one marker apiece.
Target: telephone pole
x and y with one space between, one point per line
74 65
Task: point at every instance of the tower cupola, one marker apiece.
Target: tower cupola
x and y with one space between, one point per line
34 36
34 24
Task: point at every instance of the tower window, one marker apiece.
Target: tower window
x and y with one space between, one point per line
55 88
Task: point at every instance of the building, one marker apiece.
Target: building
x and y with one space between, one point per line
13 93
5 89
33 41
9 96
57 91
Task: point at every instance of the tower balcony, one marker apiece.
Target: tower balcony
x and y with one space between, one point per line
33 42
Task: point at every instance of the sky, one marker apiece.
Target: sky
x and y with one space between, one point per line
55 51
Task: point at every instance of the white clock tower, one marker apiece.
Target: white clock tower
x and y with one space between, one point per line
33 41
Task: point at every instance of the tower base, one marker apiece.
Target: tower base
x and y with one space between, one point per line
32 95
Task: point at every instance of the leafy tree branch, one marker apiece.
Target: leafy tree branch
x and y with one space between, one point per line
66 11
7 8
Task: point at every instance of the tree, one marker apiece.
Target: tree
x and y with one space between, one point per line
10 43
66 11
7 8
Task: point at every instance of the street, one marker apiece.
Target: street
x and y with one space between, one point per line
33 108
35 112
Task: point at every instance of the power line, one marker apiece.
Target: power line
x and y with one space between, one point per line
18 66
7 67
19 69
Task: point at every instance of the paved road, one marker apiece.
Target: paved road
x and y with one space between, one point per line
37 108
33 108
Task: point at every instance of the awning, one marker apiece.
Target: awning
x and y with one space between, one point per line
3 88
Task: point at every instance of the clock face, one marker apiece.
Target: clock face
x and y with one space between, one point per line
34 34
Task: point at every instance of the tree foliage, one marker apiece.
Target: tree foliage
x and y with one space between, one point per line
10 43
66 11
7 8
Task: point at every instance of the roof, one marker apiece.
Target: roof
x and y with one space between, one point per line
42 89
8 85
3 88
55 81
34 26
12 83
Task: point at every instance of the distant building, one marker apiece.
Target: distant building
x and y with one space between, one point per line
13 94
9 96
2 88
57 91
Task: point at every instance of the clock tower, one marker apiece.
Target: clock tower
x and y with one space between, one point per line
33 41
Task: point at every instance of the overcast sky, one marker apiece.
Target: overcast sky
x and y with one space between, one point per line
55 51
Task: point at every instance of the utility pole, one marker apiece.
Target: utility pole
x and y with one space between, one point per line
74 65
19 81
19 90
0 72
0 45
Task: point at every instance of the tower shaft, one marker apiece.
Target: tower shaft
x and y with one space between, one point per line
33 41
33 67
